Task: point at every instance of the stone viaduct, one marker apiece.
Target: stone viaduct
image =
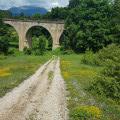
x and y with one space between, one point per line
24 30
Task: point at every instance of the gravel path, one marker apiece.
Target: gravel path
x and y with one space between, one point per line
37 98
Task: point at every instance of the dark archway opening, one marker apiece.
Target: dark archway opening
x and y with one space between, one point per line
13 39
33 37
41 31
64 41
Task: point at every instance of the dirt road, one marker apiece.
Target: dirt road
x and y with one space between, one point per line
40 97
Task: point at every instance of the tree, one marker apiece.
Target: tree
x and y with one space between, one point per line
116 12
89 24
4 40
37 16
115 29
39 45
4 44
74 3
42 44
21 15
57 13
7 13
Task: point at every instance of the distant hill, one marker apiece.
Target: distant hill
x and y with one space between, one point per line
27 10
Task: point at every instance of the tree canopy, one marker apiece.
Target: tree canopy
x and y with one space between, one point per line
4 39
89 24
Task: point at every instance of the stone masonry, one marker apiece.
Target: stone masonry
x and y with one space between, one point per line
24 29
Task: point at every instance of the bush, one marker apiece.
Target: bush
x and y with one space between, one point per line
107 86
90 58
4 44
112 67
18 53
36 52
67 52
56 51
11 50
108 83
39 45
2 57
42 44
27 51
112 51
109 52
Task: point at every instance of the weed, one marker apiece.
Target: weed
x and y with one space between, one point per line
50 76
78 78
14 70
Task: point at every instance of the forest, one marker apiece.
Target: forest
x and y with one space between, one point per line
92 24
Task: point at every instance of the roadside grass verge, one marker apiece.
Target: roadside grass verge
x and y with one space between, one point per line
13 70
82 103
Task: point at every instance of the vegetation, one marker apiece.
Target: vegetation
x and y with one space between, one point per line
92 28
13 70
50 76
84 84
89 24
6 13
38 46
107 82
4 39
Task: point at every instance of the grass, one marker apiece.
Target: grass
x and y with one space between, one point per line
2 57
50 76
46 66
83 104
13 70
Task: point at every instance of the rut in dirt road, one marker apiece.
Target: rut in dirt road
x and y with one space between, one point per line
40 97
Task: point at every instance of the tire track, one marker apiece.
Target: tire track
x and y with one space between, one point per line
36 98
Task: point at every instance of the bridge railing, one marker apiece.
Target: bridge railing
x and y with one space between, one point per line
35 20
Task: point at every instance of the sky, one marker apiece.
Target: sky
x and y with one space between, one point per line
48 4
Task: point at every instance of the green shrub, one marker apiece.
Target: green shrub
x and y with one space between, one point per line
112 67
67 52
108 83
4 44
39 45
42 44
36 52
17 52
11 50
2 57
27 51
14 44
56 51
109 52
107 86
90 58
112 51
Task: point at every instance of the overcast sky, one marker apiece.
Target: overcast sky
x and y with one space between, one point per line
48 4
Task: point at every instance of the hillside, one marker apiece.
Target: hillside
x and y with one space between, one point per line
27 10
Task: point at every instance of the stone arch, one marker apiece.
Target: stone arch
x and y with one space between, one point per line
16 35
12 25
28 35
55 28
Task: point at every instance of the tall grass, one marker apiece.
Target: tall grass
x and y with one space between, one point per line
82 103
14 70
2 57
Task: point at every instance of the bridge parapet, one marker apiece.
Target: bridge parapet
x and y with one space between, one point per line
36 21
